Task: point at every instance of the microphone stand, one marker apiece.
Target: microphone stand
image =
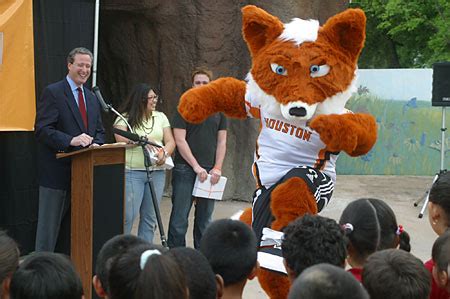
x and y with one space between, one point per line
148 163
111 108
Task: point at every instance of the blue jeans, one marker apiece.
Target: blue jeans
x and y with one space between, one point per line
183 179
138 199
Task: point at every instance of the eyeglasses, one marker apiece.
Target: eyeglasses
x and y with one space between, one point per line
153 98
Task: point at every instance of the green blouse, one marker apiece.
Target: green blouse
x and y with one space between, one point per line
153 129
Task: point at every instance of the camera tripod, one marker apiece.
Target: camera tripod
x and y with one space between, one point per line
426 197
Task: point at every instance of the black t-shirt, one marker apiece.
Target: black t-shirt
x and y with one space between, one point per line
202 138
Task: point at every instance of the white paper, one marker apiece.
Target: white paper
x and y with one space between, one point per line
206 190
168 164
272 262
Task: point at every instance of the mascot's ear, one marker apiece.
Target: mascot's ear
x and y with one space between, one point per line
259 28
347 31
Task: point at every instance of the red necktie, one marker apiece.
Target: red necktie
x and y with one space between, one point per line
82 107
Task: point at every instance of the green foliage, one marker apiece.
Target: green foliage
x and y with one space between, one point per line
405 33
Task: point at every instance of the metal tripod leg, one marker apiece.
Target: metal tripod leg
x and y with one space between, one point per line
425 198
422 198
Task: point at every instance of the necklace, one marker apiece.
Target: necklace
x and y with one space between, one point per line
148 130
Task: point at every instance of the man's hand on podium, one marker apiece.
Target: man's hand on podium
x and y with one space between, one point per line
81 140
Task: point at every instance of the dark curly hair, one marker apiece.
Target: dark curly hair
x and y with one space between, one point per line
311 240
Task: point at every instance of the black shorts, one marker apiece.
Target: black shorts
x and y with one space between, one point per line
318 182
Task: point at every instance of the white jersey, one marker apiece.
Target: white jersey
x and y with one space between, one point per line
283 145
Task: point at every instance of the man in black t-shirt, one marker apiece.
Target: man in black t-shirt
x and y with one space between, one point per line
200 151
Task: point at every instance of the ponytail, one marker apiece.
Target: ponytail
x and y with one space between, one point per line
404 241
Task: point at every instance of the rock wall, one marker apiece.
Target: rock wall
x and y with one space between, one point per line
161 41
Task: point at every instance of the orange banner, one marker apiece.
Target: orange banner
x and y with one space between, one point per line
17 94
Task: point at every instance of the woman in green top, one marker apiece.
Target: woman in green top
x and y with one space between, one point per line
139 108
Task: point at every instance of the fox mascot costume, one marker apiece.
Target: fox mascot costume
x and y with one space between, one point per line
301 78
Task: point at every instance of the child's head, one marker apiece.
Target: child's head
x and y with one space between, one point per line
441 257
370 225
395 274
111 249
311 240
199 275
231 249
9 260
161 277
392 234
125 271
325 281
46 275
362 228
439 204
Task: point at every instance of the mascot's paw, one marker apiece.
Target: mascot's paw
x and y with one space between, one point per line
274 284
290 200
336 131
194 106
246 217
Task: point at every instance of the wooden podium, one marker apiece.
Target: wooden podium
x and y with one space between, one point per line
97 204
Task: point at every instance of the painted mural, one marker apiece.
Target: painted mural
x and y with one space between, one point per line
409 137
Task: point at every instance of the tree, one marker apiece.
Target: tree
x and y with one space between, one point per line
405 33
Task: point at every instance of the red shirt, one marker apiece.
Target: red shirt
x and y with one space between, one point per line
436 291
357 272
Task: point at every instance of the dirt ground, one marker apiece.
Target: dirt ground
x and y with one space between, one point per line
400 192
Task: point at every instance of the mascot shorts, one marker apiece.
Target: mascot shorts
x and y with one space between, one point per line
318 182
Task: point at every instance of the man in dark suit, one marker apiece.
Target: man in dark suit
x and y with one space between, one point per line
67 118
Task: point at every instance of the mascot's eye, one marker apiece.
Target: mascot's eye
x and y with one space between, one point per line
319 70
278 69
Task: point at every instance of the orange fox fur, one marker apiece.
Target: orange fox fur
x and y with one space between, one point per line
301 77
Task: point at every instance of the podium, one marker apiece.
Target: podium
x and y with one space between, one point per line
97 204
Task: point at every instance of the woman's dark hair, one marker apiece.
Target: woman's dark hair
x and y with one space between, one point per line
162 277
389 227
440 193
362 228
135 105
9 257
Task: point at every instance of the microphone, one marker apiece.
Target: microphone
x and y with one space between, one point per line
108 107
98 94
134 137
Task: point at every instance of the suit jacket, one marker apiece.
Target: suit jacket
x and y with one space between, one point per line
58 120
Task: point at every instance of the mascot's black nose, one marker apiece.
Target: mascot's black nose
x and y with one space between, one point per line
297 111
